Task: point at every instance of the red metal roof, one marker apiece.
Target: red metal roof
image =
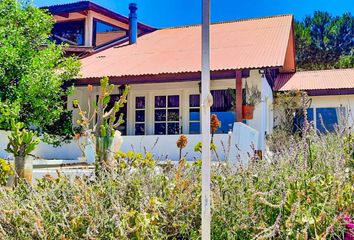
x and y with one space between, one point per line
244 44
316 80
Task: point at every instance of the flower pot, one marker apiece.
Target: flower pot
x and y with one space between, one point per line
247 112
24 168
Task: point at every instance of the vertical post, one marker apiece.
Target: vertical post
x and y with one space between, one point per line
88 29
205 117
238 96
263 105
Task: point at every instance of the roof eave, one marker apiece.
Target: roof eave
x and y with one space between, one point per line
87 5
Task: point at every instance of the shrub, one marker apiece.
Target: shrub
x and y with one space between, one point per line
303 193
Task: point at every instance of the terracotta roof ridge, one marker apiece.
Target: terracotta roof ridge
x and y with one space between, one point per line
229 21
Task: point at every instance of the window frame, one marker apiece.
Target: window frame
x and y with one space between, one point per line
189 111
94 32
166 108
83 29
135 112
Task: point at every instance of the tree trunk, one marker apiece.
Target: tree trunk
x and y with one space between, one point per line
23 168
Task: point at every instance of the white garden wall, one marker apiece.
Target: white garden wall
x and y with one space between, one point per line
70 151
162 146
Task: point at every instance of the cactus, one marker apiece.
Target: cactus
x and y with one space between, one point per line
106 121
21 143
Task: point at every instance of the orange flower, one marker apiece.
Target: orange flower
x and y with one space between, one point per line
182 141
89 88
214 123
77 136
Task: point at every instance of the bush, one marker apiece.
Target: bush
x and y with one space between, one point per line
303 193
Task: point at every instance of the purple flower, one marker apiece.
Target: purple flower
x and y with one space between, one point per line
349 224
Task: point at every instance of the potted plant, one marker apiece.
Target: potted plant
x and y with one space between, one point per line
251 98
21 143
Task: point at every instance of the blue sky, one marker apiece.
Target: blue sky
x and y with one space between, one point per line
164 13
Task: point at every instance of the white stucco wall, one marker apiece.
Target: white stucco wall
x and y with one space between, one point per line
183 89
333 101
346 101
164 146
68 151
263 114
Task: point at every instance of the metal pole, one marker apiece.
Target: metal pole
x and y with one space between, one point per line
205 117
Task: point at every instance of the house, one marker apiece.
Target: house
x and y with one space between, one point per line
331 94
162 67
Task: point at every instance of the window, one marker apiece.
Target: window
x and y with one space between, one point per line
139 115
194 114
106 33
328 118
69 32
222 107
299 119
324 119
167 115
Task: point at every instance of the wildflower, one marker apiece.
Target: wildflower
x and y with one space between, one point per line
349 234
214 123
89 88
182 141
76 103
77 136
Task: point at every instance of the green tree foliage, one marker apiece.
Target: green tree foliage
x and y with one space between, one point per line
33 70
324 41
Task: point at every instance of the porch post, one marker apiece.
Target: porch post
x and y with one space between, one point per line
238 103
88 29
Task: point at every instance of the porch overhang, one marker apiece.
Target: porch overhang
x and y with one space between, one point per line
162 78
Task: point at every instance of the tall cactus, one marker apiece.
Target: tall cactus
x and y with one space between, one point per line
106 121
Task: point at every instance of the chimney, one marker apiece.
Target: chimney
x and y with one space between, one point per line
133 23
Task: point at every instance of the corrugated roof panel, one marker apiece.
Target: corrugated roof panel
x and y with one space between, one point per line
253 43
316 80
